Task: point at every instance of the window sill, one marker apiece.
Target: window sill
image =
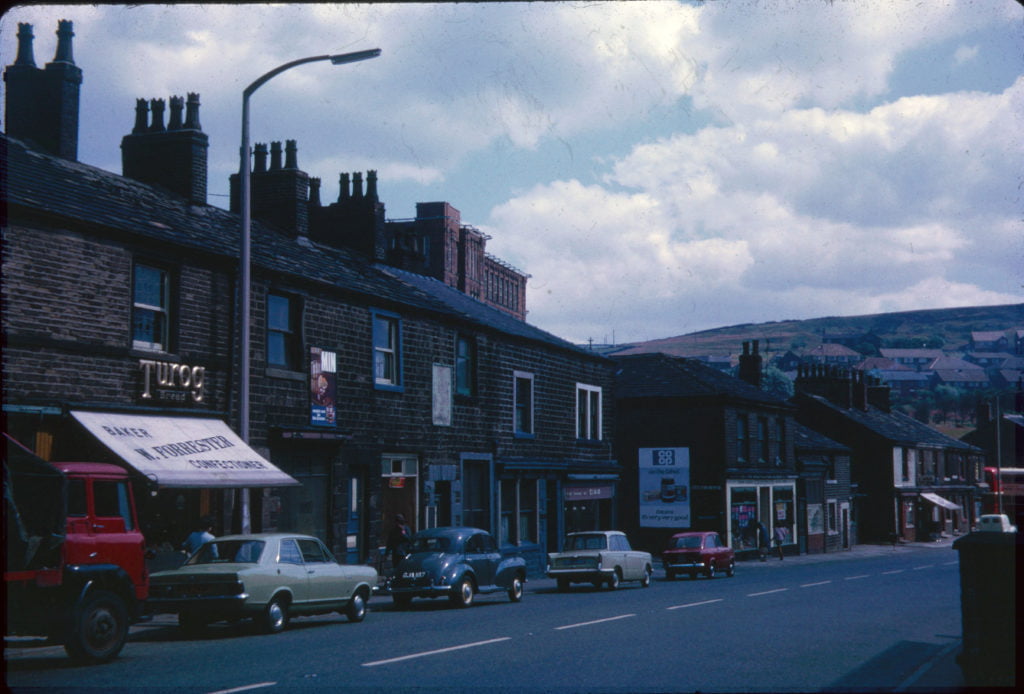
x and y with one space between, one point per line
389 388
285 374
523 435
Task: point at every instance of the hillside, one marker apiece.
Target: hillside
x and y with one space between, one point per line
948 328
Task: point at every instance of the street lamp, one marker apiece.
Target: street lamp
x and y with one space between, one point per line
245 261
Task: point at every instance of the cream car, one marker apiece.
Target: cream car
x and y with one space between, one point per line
600 558
267 577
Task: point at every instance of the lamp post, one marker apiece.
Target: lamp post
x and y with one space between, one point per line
245 299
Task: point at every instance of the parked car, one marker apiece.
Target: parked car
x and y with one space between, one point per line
996 523
698 552
456 563
602 558
269 577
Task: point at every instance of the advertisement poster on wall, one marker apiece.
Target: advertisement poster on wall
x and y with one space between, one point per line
323 378
664 483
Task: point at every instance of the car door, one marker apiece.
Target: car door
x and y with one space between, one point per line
716 551
483 557
291 570
622 556
326 582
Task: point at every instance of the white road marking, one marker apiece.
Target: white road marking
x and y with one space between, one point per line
596 621
694 604
951 563
245 688
819 583
424 654
890 573
767 592
920 568
856 578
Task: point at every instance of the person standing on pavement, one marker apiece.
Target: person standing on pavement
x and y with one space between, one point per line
398 541
762 540
780 538
199 537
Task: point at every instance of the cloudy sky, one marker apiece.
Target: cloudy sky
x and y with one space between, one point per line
658 168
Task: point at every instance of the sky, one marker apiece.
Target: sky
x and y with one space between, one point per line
657 168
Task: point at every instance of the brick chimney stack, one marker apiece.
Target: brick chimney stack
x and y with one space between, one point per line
172 156
355 221
41 106
280 193
750 364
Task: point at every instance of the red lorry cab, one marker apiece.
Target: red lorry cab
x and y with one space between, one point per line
101 524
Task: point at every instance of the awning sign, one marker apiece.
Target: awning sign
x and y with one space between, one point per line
183 451
940 501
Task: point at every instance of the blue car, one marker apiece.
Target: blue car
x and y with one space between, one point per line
457 563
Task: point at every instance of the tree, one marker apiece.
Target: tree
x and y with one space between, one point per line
776 382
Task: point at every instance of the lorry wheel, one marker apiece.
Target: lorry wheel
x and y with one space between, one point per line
98 628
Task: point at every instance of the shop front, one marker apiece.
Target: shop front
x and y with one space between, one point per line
771 502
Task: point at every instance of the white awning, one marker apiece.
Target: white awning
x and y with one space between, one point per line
940 501
183 451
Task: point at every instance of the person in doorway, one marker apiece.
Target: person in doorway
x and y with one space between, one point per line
398 541
780 538
199 537
762 540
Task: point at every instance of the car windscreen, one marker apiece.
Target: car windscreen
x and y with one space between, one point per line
430 544
586 542
691 542
225 551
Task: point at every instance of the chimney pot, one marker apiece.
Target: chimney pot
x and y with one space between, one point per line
260 157
291 155
141 116
192 112
371 185
177 108
25 36
314 192
357 184
64 34
157 107
275 156
343 187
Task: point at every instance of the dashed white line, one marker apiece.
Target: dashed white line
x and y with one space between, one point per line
436 652
694 604
857 578
244 688
951 563
767 592
890 573
811 585
921 568
596 621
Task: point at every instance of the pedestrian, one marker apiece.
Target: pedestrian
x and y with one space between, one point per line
762 540
780 537
199 537
398 541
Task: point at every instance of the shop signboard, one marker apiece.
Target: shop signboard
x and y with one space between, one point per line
323 383
664 484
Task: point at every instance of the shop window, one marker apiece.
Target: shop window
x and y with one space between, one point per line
283 331
527 511
588 412
508 511
465 365
743 507
387 367
151 308
523 404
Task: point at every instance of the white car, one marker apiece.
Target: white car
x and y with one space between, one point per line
996 523
602 557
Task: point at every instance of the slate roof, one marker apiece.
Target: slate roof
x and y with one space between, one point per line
894 426
663 376
808 439
115 205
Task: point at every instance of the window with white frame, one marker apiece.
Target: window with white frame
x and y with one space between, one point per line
523 424
283 331
588 412
387 371
151 308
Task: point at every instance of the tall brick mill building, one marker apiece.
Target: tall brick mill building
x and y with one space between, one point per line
392 368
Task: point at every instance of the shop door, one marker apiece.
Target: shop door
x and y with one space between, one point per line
399 493
354 524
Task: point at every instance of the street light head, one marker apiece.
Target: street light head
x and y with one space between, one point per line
354 57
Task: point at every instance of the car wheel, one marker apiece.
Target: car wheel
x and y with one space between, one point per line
710 571
275 616
645 580
563 585
731 570
356 609
191 622
402 602
462 593
515 591
614 580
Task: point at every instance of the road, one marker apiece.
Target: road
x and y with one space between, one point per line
870 623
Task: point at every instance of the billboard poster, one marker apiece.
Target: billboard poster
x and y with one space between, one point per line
323 382
664 484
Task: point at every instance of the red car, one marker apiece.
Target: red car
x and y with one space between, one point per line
698 552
